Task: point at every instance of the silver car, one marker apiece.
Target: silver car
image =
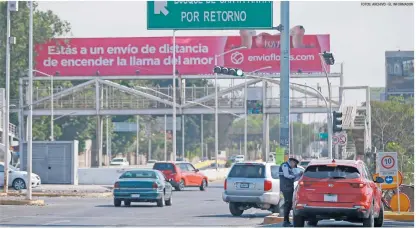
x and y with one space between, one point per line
253 185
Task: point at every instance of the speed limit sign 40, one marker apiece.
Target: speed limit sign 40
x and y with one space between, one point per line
387 163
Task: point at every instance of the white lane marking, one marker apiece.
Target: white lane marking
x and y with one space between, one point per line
86 217
57 222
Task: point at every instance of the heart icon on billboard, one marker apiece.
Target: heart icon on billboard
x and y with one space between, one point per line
237 58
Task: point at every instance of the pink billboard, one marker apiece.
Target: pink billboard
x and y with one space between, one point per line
129 56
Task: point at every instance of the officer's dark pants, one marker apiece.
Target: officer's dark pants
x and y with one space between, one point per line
288 195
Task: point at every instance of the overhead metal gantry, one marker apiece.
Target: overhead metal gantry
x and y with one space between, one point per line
99 96
101 100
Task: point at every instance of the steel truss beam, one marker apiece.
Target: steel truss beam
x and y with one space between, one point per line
135 92
168 111
220 93
66 92
79 87
164 77
307 92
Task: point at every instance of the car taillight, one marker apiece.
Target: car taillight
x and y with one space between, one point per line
116 185
357 185
302 183
154 186
225 184
267 185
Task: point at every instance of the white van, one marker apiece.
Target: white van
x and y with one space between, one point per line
239 158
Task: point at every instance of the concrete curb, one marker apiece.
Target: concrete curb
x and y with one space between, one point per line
273 219
22 202
40 194
403 216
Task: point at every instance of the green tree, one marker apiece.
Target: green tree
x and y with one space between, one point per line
392 131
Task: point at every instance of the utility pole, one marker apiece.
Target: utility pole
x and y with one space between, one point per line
284 76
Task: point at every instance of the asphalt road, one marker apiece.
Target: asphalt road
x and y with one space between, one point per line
190 208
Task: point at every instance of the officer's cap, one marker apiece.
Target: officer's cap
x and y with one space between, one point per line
294 160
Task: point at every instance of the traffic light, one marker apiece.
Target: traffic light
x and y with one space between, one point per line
336 122
329 58
228 71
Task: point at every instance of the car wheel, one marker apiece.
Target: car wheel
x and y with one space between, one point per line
181 185
127 203
161 202
117 203
313 223
19 184
298 221
369 222
235 211
379 221
169 202
203 185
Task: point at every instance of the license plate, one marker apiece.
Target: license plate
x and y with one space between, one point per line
244 185
135 195
330 198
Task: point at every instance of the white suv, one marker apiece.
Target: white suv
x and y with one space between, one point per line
253 185
17 178
119 161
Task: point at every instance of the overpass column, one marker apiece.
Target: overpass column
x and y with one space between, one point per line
266 126
98 152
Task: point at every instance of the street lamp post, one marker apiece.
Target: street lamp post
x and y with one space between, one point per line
52 101
245 108
6 108
216 99
30 116
327 101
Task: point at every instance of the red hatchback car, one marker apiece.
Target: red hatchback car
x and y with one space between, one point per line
183 174
340 190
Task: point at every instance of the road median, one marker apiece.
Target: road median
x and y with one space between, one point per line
64 194
5 200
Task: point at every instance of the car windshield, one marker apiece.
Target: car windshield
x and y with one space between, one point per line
138 174
332 172
118 160
304 163
11 167
275 171
247 171
164 167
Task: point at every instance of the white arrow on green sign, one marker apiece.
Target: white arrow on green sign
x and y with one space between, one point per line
207 15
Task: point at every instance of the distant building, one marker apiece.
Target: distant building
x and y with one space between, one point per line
399 73
377 94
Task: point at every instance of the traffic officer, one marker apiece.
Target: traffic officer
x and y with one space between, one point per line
287 179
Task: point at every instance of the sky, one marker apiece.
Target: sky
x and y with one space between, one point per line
360 35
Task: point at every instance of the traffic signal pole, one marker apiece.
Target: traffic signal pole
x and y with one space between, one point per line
329 123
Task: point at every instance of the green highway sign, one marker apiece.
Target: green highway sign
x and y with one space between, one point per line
209 15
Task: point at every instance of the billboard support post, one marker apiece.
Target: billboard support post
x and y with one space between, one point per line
166 143
284 77
137 139
202 136
174 98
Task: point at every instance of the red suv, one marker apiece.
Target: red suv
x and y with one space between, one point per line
340 190
183 174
